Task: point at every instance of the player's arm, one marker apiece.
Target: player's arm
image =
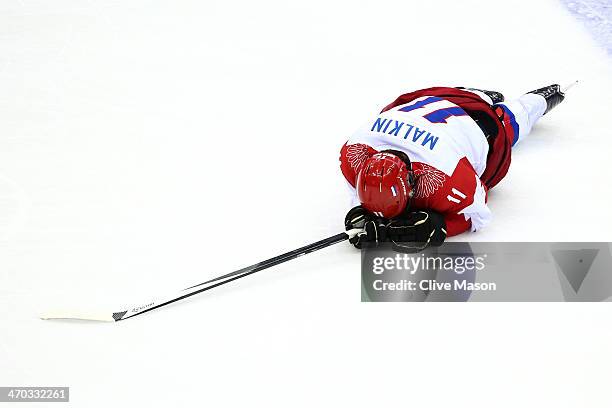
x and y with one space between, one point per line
456 224
472 217
476 212
463 201
352 157
458 205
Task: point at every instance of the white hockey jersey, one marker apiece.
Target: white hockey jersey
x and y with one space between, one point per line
448 151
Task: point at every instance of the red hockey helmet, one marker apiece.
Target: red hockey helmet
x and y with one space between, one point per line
385 184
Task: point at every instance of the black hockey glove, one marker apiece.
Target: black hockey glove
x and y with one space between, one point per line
374 228
416 231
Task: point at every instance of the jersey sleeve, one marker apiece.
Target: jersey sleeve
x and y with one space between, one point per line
352 157
460 197
477 211
456 224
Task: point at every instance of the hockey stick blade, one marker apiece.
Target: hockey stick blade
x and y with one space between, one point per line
127 313
67 314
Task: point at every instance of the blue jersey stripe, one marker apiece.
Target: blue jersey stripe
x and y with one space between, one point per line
420 104
513 122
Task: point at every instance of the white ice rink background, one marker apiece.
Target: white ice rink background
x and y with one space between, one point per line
149 145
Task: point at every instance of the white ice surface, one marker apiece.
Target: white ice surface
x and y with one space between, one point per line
147 145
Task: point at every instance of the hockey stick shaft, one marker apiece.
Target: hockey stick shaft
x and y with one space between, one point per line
281 258
194 290
249 270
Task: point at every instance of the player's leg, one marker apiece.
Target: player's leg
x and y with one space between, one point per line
518 117
486 122
522 113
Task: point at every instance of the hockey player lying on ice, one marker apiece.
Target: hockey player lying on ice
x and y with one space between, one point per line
421 169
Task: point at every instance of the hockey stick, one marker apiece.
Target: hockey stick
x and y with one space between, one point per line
126 313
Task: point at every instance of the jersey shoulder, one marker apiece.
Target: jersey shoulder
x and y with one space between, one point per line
352 157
